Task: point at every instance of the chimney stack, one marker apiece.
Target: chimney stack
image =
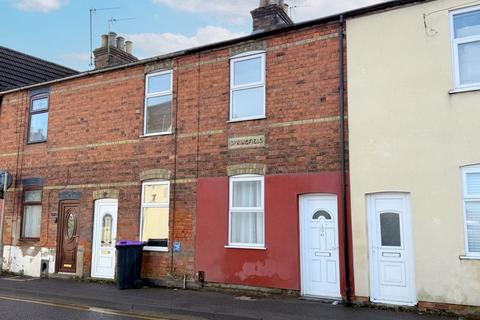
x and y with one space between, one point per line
114 51
270 15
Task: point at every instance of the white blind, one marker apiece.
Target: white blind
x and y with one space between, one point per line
247 215
247 227
473 225
247 194
31 221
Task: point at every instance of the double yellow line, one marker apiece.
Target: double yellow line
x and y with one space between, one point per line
86 309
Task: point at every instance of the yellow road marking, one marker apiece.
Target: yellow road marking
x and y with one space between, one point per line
86 309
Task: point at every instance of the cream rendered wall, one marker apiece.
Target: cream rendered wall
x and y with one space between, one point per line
407 133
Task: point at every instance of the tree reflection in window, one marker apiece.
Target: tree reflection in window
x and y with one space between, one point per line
107 230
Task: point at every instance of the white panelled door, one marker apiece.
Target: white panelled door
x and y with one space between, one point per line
319 246
392 278
104 237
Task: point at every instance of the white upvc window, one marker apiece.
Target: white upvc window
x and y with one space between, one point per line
246 212
154 218
471 209
158 103
247 86
465 29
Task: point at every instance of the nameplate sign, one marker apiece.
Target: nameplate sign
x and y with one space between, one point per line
246 142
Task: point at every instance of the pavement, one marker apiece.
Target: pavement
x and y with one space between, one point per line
51 299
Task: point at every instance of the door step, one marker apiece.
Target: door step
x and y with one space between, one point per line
334 301
63 275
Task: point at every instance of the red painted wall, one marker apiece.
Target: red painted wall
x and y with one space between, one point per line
279 265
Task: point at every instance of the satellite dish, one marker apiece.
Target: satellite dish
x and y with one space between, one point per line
5 176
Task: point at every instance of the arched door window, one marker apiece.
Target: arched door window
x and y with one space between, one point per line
322 214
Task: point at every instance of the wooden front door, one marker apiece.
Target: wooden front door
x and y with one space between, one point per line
67 238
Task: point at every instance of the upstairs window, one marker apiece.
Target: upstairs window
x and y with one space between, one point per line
38 123
247 212
32 213
158 103
154 227
247 87
471 207
466 47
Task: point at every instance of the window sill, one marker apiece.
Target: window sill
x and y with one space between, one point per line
36 142
245 248
155 249
247 119
29 239
469 257
467 89
156 134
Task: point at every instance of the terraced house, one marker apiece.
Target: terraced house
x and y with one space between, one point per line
232 161
226 159
414 162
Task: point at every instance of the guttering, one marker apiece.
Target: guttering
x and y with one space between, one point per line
333 18
346 252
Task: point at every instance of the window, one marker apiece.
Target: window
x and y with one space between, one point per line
390 229
158 103
155 215
471 208
466 47
107 230
38 125
247 87
246 212
32 213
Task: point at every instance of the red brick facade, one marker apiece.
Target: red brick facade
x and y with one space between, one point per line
95 138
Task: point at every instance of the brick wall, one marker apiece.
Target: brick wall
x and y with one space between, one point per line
96 122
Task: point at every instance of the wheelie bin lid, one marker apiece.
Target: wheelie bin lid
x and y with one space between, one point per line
130 243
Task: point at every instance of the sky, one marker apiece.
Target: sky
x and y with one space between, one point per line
58 30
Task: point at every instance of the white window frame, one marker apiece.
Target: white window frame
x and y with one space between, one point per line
233 87
245 209
468 198
455 44
153 95
144 205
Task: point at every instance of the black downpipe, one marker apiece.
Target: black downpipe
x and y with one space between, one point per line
346 252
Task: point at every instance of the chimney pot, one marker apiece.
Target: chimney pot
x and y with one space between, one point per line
121 43
113 52
264 3
104 40
111 39
129 47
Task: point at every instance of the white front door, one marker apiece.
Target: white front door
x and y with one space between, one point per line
104 236
319 246
392 278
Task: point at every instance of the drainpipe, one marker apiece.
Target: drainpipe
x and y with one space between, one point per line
2 216
346 253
